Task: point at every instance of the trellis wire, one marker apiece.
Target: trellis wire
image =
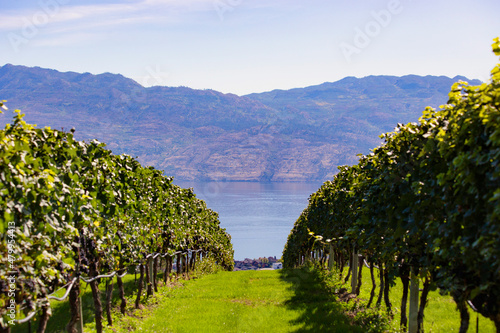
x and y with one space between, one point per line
88 280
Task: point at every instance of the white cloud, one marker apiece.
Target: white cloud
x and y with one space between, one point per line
115 12
63 14
69 39
14 20
52 25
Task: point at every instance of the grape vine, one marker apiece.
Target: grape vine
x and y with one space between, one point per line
72 208
427 200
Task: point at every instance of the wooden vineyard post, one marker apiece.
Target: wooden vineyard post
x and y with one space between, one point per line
178 262
331 258
354 271
193 260
79 327
186 265
151 277
413 316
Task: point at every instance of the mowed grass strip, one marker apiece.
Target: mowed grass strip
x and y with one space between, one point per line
248 301
296 300
440 314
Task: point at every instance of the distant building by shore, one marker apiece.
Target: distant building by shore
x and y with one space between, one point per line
254 264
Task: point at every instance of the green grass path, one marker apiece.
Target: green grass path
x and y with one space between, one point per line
297 300
248 301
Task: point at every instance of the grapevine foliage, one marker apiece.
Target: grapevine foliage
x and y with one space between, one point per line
429 197
69 207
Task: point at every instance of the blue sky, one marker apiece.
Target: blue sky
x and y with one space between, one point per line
245 46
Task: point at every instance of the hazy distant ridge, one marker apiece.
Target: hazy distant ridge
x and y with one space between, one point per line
295 135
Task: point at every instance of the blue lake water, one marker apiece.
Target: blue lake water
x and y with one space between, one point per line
259 216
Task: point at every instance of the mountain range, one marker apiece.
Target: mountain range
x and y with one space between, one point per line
301 134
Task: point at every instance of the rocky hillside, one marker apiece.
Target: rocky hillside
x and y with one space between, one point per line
295 135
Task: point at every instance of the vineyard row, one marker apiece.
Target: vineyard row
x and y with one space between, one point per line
425 204
71 208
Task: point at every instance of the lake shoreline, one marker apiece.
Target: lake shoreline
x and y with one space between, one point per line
258 215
